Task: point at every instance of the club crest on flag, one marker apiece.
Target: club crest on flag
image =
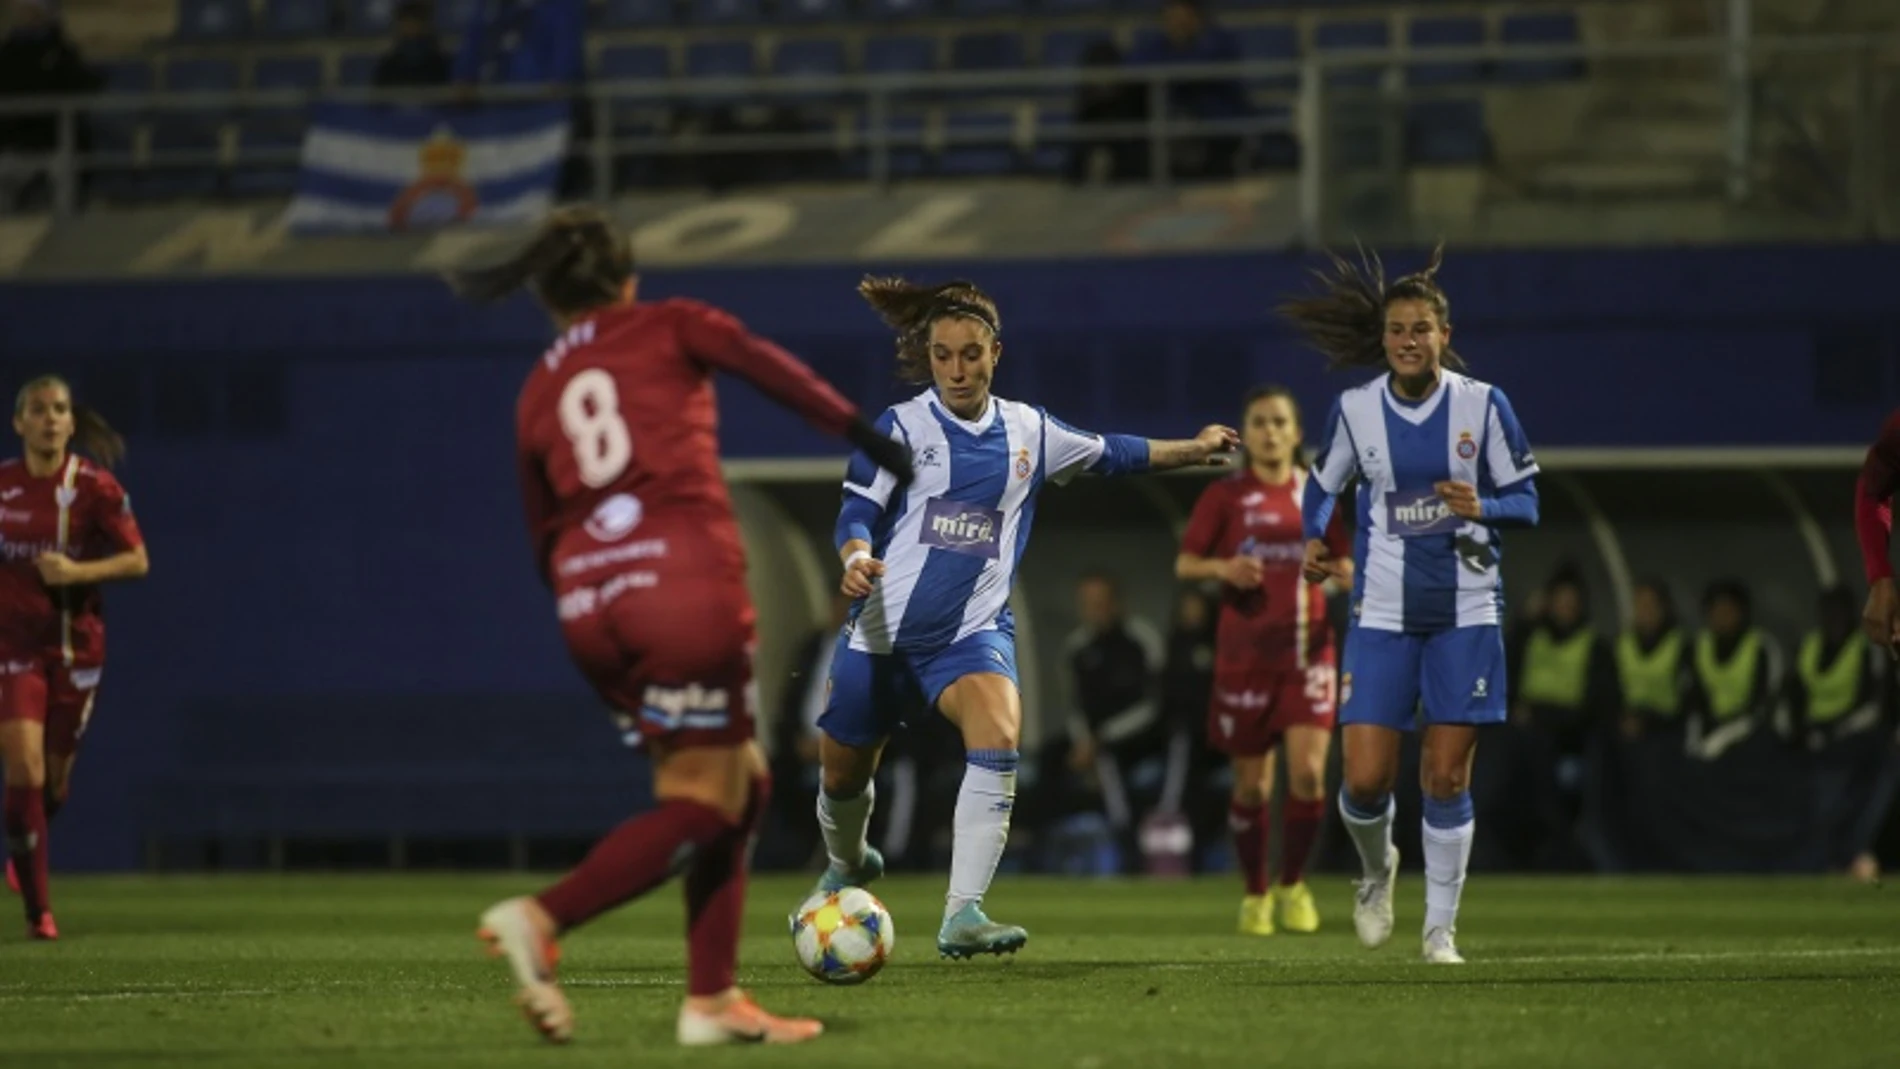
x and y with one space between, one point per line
440 194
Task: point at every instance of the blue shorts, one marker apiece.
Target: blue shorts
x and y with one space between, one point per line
868 693
1458 674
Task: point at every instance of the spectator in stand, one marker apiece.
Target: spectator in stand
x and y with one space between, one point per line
37 58
415 58
1190 36
1108 157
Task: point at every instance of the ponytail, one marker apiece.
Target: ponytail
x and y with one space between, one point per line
96 437
1345 321
579 260
910 309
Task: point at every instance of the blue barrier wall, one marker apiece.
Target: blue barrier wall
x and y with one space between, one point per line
323 467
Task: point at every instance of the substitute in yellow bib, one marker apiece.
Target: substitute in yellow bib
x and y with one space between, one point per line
1655 677
1841 711
1737 672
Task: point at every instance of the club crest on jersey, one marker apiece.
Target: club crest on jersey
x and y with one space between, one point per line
1345 687
614 517
1022 464
1467 447
962 528
1414 513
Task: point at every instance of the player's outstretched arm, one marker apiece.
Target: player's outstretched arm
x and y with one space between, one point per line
1213 446
1873 529
57 569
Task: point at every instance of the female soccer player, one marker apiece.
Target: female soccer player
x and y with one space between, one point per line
65 527
1442 465
930 568
1274 674
1873 526
633 528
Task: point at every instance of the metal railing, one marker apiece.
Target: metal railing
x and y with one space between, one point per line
1311 94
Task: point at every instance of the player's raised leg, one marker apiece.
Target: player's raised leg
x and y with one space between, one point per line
987 710
853 729
1302 814
23 811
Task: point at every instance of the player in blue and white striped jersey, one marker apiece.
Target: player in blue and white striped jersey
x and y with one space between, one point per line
931 565
1441 465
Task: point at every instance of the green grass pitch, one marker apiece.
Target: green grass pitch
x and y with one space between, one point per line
371 971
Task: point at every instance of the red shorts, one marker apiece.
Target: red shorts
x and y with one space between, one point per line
671 655
1251 710
45 690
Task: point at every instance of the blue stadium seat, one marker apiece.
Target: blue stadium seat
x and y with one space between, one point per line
287 72
810 11
986 51
356 69
210 20
896 10
1539 28
1052 157
1351 36
369 18
900 54
201 76
907 160
979 9
127 76
624 14
278 134
194 176
724 12
979 142
297 18
720 59
1279 41
810 59
1064 48
453 16
1446 132
634 63
1427 34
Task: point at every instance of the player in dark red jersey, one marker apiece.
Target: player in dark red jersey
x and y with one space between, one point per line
1873 523
65 527
1274 661
633 529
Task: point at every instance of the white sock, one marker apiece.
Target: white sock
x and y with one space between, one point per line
845 822
982 825
1371 835
1447 853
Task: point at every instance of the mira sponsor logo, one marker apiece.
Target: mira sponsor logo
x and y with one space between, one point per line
962 528
1410 513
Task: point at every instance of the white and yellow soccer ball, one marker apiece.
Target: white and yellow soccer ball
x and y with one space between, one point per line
843 937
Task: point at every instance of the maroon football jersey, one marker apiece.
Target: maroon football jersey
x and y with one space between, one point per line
618 440
81 511
1281 624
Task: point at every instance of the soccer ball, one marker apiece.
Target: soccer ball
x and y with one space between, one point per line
844 937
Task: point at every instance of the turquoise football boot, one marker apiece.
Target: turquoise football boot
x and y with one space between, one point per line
967 933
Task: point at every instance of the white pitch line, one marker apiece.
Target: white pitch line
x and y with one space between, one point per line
115 996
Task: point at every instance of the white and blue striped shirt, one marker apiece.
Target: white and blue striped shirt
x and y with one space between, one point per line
1419 568
950 542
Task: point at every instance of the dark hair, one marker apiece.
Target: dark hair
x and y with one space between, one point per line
1729 590
1102 576
1655 585
1346 320
95 436
419 10
580 260
1836 599
910 310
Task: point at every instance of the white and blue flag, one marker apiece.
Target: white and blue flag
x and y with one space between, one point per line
371 167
